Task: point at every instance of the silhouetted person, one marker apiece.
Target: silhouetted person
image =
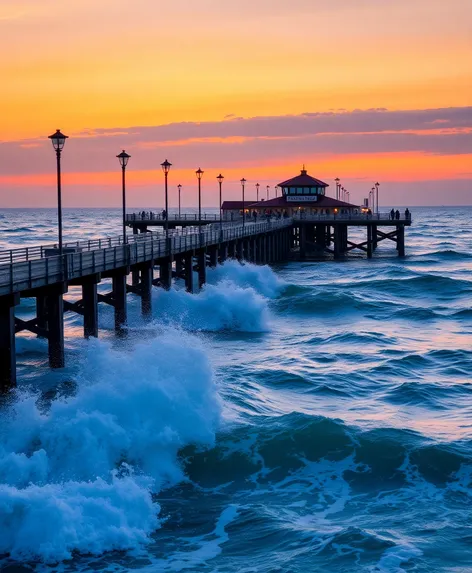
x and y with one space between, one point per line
392 214
407 213
164 214
397 214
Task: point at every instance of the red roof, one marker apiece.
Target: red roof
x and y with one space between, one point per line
230 205
303 180
281 202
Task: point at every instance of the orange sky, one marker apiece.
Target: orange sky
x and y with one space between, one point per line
88 65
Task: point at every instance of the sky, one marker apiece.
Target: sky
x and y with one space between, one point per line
363 90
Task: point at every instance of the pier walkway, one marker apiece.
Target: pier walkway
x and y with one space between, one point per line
43 274
154 259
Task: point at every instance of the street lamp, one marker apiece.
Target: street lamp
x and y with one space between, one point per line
370 198
179 187
377 185
337 187
257 192
243 182
220 183
199 174
123 158
58 140
267 189
373 200
342 193
166 168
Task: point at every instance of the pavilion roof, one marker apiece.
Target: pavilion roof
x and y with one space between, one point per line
303 180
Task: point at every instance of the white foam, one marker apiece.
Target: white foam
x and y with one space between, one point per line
67 482
223 306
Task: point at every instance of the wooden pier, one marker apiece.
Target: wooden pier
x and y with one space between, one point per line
154 259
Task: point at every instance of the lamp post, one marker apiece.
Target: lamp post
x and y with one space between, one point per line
377 185
348 196
373 199
337 187
370 199
267 189
342 193
123 158
257 192
179 187
276 189
243 183
199 174
220 184
166 168
58 140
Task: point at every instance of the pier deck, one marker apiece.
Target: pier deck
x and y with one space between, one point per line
40 272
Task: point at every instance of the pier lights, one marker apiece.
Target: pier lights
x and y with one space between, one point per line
199 174
377 185
373 200
337 180
342 194
220 184
267 189
370 199
179 187
123 158
243 183
257 192
58 140
166 168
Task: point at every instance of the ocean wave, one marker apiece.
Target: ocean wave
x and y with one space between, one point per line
79 474
220 307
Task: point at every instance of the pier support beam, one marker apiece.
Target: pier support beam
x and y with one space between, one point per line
213 252
41 312
369 241
90 306
55 311
189 272
7 341
201 263
147 275
165 274
119 299
223 252
401 240
178 267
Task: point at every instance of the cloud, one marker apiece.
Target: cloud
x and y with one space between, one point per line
253 141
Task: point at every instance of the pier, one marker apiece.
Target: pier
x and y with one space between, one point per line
152 259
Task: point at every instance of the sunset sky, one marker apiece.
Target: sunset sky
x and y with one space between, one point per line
364 90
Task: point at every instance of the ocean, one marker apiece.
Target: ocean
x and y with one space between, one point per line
309 417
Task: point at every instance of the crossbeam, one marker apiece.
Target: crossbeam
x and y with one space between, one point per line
30 326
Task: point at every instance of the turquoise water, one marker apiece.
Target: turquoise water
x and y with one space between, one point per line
309 417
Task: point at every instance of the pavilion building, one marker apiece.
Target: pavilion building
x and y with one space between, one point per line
301 194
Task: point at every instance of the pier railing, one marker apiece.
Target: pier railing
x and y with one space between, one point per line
150 216
105 254
358 217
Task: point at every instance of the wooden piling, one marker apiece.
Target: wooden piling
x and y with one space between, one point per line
7 341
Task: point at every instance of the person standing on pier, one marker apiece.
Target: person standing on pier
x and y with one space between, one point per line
397 214
407 214
392 214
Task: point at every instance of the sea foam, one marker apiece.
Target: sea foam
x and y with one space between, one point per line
79 474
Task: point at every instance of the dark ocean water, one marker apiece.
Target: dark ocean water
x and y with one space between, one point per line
313 417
